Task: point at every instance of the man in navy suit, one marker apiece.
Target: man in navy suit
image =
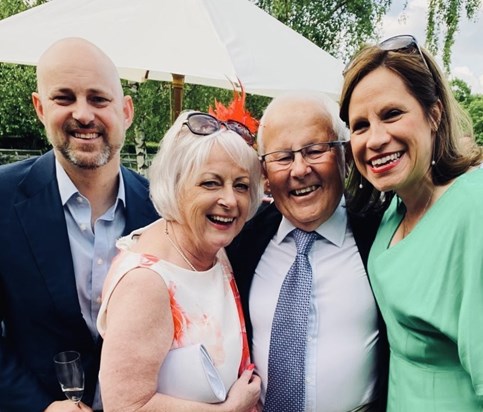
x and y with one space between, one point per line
301 143
60 215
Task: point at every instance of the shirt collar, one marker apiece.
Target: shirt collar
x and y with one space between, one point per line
67 188
333 229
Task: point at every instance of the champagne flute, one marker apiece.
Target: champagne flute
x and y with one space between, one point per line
70 374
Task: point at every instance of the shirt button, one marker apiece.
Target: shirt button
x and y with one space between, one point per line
83 227
79 199
99 300
100 261
308 379
309 338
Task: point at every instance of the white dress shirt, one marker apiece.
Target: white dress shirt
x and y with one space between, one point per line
341 368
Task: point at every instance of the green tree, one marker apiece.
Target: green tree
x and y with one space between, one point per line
152 101
444 16
17 116
461 91
475 109
9 7
472 103
337 26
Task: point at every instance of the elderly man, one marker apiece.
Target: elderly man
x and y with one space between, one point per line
60 215
300 266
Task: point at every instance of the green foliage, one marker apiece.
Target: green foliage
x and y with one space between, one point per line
10 7
472 103
461 91
151 108
445 15
152 104
337 26
17 115
475 109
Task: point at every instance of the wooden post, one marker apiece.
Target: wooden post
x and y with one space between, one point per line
176 96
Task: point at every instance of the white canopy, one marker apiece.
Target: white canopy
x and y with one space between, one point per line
210 42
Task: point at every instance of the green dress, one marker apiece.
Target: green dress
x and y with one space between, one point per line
429 287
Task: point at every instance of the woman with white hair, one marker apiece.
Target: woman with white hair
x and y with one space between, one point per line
169 299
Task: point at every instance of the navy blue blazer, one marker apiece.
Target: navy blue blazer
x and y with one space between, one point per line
39 307
247 248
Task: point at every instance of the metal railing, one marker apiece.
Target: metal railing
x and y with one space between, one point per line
14 155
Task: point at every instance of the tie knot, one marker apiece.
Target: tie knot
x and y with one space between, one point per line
304 241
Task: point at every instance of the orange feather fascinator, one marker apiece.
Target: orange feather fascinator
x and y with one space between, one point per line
235 111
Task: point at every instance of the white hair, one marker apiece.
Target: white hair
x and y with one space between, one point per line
326 104
181 155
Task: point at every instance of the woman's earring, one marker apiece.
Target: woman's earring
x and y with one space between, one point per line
433 162
360 184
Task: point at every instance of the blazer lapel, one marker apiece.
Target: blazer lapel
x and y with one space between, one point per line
40 213
246 250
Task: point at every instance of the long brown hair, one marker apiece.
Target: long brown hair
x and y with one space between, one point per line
454 150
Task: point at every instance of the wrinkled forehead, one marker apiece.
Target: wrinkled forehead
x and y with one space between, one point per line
294 121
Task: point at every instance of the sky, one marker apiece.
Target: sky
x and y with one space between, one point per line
467 51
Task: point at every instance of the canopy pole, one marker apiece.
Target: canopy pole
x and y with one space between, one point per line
176 96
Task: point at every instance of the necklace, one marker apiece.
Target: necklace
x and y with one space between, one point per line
177 248
406 230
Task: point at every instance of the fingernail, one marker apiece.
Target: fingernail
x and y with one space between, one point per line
251 367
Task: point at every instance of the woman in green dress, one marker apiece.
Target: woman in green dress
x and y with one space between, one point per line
413 157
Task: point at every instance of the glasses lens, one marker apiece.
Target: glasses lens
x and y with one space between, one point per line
281 157
203 124
399 43
314 152
242 130
404 43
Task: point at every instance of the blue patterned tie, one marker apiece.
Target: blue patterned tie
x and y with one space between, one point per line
286 359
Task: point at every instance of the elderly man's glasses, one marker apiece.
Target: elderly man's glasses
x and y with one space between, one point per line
404 43
312 154
204 124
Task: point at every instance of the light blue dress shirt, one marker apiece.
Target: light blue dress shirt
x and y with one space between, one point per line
341 352
93 246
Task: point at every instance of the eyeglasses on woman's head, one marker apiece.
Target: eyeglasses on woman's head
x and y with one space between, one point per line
204 124
403 43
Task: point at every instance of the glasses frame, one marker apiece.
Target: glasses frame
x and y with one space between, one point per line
233 125
303 152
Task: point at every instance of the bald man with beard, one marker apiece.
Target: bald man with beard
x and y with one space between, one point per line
60 216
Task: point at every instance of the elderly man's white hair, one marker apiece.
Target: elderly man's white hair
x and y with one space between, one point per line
326 104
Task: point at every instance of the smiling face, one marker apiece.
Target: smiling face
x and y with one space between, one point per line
214 204
81 105
391 136
306 194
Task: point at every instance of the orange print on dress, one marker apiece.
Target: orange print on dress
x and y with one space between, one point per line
147 260
180 321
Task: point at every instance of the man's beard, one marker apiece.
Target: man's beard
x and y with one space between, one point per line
86 156
85 160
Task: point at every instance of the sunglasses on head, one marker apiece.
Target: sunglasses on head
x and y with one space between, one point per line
204 124
404 43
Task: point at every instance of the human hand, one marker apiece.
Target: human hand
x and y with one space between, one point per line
67 406
245 392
